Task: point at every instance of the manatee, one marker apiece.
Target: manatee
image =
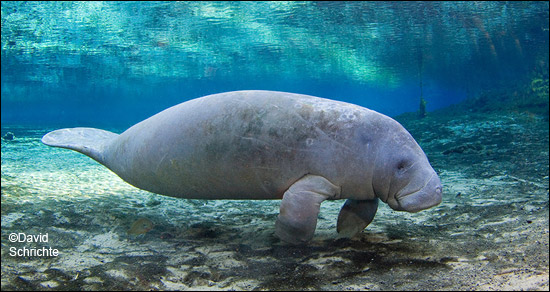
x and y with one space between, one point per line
270 145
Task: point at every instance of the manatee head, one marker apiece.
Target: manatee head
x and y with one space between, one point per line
403 177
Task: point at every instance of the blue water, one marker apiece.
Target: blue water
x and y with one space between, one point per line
90 62
481 67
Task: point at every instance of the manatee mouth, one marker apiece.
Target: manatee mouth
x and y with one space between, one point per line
426 197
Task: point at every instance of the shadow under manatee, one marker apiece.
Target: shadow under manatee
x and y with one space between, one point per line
327 263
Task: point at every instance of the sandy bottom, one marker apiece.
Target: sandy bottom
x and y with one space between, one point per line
489 233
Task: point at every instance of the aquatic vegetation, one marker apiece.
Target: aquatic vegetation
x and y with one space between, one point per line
539 87
422 108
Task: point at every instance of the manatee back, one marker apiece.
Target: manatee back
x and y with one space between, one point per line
87 141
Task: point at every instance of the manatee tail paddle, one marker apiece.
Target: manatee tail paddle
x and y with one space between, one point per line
88 141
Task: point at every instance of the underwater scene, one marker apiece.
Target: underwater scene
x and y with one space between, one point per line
430 119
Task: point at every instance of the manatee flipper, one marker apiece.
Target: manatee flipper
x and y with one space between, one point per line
87 141
355 216
300 206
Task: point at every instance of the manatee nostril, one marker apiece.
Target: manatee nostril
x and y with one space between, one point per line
438 190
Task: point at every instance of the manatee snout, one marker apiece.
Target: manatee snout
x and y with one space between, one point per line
428 196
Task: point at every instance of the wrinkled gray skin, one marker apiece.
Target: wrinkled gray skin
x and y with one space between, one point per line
270 145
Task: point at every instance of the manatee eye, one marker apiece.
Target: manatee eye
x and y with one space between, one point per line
402 166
